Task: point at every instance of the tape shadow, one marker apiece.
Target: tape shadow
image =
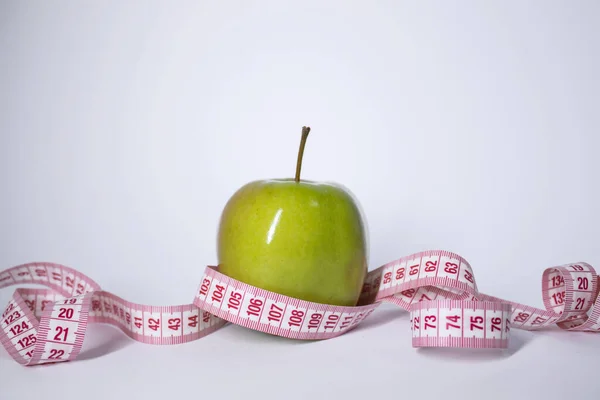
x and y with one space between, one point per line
518 340
382 316
102 340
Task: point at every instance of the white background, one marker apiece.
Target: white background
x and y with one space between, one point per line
467 126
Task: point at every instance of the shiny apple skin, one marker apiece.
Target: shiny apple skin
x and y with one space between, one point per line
304 239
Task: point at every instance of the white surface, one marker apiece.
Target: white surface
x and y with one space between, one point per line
465 126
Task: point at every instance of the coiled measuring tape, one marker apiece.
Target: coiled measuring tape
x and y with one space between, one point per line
438 288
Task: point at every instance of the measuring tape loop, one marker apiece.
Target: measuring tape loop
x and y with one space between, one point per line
437 288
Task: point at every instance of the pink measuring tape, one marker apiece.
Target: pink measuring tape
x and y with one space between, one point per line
438 288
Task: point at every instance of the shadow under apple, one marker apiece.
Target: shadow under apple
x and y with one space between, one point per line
258 337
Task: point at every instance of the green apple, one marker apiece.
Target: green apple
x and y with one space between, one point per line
299 238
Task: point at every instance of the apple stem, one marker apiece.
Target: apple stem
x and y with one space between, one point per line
305 132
